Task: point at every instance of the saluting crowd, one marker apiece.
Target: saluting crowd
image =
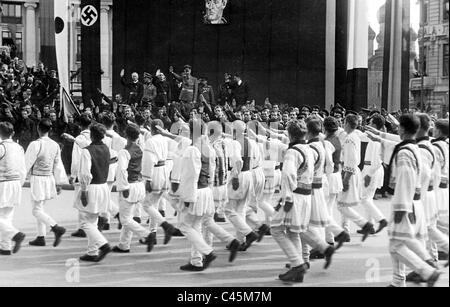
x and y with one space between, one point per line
226 161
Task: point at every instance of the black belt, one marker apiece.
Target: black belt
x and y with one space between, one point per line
301 191
317 186
417 197
161 164
443 185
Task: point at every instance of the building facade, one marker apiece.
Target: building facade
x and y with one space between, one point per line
434 55
21 31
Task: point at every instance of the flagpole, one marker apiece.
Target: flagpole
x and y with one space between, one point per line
422 58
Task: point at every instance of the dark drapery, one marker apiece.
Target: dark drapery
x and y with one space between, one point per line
90 55
47 24
277 46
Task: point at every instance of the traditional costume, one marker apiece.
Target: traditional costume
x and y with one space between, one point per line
12 176
44 164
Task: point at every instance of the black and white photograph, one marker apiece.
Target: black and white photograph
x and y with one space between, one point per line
224 150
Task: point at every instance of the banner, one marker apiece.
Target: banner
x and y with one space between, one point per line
47 25
62 47
90 50
68 107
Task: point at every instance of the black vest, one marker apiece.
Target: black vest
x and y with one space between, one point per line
246 159
135 165
100 162
204 173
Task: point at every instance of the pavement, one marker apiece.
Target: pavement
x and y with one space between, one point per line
357 264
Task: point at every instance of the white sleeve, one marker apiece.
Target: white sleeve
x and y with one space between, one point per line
85 176
21 166
122 171
149 160
58 170
31 155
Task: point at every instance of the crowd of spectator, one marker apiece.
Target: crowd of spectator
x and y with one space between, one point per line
30 94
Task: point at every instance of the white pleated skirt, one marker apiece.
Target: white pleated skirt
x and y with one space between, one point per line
297 220
42 188
245 189
320 216
98 199
10 194
334 183
352 197
442 201
137 193
204 204
406 230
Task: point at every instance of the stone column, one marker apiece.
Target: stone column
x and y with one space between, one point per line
104 48
30 33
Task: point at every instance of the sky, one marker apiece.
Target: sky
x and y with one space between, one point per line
374 5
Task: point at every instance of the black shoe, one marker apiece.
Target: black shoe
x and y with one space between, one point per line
367 230
268 233
151 241
415 278
433 279
102 221
137 220
88 258
103 252
234 248
191 268
79 234
177 233
442 256
163 213
262 232
249 240
343 237
106 227
18 239
348 239
39 241
169 230
316 255
5 253
294 275
59 232
218 219
144 241
383 225
208 260
119 226
328 256
118 250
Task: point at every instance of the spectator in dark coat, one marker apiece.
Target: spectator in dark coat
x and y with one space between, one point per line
241 91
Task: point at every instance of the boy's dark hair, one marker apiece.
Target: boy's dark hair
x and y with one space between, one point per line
85 121
410 123
425 121
297 130
378 120
45 125
442 126
132 133
314 126
352 120
108 119
6 130
98 132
